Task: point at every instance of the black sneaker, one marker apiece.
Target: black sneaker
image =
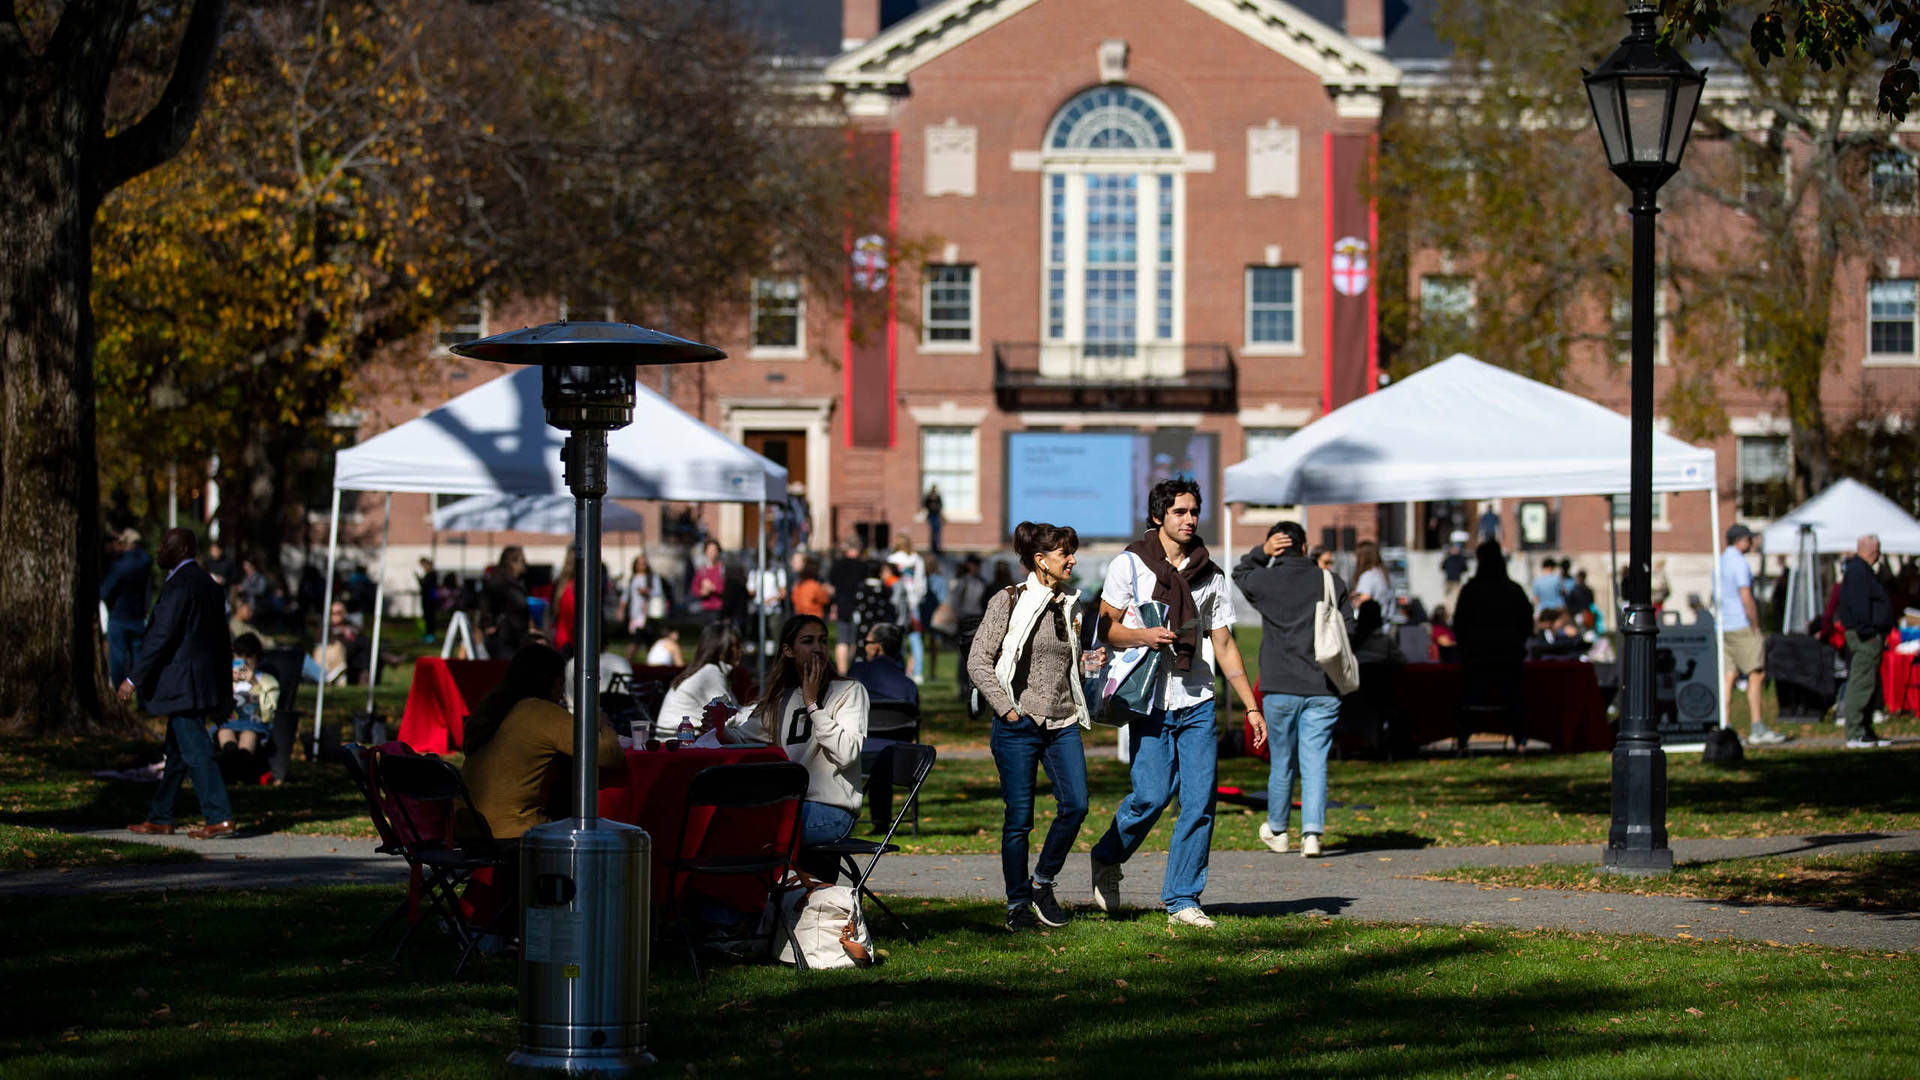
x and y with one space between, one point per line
1022 918
1047 908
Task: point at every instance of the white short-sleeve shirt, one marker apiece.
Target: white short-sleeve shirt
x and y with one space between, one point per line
1129 582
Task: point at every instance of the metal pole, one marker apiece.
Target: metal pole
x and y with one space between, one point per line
173 496
326 611
761 588
379 601
1720 624
1637 839
586 458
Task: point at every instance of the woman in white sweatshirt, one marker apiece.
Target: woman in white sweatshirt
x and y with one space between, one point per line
820 720
707 676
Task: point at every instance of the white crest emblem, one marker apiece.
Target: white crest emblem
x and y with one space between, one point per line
1350 272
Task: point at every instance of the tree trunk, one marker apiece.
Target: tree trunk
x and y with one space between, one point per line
50 675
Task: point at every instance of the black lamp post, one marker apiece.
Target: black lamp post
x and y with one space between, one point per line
1644 96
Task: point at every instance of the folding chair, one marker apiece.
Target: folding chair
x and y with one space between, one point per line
898 721
908 759
357 760
425 791
755 791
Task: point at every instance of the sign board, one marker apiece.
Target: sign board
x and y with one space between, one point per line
1686 681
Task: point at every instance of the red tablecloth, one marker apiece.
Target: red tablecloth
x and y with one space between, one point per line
1899 681
443 695
1562 700
653 795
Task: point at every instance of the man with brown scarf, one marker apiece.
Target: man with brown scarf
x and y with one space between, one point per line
1174 748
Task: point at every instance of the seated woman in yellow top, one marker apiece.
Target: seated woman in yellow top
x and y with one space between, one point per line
519 745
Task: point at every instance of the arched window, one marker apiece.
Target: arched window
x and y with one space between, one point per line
1115 227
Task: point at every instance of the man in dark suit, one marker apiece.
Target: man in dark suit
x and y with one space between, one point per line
185 673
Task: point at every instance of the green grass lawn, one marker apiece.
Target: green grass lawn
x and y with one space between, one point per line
26 848
279 984
1878 881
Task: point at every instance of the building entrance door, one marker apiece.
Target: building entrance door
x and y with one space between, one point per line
787 449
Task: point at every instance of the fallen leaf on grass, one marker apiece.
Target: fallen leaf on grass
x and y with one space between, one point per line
1691 1011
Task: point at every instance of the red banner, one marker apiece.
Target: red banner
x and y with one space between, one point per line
1352 351
870 311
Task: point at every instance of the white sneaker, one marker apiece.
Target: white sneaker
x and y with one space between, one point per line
1765 737
1275 841
1191 916
1106 885
1310 845
1868 744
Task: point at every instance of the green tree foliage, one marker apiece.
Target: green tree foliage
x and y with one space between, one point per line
1827 34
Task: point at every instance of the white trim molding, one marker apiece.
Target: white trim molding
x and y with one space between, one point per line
947 414
1763 424
1274 415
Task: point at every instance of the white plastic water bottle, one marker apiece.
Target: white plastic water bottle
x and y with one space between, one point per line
687 732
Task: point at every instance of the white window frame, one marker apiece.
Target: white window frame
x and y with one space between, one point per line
1739 470
1153 354
928 344
952 511
1622 523
447 333
1878 174
1621 314
1265 513
1251 347
1911 358
795 351
1753 185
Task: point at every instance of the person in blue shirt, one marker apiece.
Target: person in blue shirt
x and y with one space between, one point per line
1740 629
1549 589
124 590
883 672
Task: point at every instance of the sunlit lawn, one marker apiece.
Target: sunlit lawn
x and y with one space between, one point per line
280 984
1880 881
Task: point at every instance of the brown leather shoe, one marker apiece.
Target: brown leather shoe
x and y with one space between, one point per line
151 828
210 831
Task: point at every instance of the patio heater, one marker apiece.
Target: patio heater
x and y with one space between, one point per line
584 883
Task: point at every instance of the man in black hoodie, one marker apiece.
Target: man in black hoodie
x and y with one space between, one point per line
1299 701
1866 610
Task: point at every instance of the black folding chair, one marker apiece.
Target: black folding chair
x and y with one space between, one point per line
907 760
356 758
425 792
758 792
899 721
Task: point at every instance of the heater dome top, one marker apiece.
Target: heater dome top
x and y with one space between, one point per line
572 344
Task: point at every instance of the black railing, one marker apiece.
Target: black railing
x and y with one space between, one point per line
1146 375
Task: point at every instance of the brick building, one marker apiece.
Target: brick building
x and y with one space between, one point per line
1121 214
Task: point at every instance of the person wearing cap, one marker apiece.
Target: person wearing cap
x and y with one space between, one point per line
1740 625
124 591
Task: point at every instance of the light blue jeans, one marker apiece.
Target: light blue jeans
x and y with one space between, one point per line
1173 754
1299 733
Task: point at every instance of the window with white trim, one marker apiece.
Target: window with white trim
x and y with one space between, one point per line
1446 314
1622 508
1622 328
1262 440
1115 219
950 457
1893 182
467 322
1890 314
950 307
779 316
1765 466
1763 175
1273 307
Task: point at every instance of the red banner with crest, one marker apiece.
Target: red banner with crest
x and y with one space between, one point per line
1351 356
870 310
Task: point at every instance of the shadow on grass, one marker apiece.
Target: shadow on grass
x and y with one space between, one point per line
1384 840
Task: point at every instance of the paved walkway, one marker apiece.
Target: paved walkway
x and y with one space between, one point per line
1382 885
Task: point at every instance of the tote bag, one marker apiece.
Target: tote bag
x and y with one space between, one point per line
1330 645
1125 689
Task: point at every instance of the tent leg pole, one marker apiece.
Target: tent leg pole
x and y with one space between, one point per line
1719 623
326 623
379 601
1614 607
761 604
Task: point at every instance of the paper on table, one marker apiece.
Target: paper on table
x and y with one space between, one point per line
709 740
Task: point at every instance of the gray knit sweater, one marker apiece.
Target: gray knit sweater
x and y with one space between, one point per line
1050 661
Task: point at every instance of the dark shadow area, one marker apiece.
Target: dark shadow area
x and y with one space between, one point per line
1383 840
1314 905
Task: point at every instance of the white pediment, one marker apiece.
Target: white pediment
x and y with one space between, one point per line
886 61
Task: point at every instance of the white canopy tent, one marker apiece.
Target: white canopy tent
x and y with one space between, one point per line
494 440
549 514
1464 429
1840 516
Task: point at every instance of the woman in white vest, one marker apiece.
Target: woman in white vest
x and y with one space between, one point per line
820 720
1026 662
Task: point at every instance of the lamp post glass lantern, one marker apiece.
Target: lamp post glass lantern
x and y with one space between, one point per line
1643 96
584 882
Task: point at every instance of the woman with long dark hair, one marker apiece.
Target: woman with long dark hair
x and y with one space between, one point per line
706 677
1026 663
520 744
820 719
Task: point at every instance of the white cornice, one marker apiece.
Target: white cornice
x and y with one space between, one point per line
1342 65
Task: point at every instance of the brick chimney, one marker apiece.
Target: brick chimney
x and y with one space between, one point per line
859 21
1366 23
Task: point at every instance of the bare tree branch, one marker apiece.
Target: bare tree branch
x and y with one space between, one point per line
164 130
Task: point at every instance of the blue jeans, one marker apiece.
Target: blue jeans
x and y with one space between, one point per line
915 654
190 751
822 823
1173 755
1299 733
123 649
1017 749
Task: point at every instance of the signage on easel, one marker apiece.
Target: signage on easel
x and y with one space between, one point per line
1686 681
